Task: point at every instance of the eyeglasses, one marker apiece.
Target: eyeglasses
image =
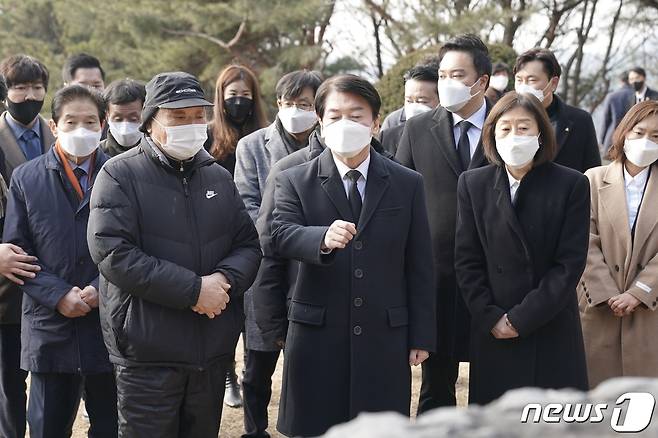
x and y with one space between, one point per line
301 105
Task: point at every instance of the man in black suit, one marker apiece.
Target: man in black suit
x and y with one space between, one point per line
420 95
637 78
441 144
537 72
614 109
364 294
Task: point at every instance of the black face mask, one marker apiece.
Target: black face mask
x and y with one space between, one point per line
638 85
238 108
24 112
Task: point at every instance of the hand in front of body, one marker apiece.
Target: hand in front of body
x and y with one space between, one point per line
623 304
338 235
15 263
72 305
416 357
504 329
213 297
90 296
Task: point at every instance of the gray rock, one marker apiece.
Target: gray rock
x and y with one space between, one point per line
502 418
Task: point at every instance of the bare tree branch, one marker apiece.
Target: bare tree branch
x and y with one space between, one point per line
221 43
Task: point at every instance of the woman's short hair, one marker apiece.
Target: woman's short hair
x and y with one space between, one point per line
511 100
635 115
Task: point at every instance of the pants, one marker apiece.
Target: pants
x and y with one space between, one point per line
55 398
438 386
170 402
257 391
12 383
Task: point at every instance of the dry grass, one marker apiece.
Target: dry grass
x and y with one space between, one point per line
232 418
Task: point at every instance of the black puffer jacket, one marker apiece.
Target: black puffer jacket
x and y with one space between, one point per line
154 230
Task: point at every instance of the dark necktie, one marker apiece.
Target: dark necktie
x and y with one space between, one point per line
354 195
80 174
464 145
32 144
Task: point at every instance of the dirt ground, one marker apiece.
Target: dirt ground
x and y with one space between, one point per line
232 418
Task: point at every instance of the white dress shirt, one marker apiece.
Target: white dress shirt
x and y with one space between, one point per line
513 185
634 191
475 132
641 95
361 182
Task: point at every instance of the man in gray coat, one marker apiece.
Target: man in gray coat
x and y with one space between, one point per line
255 154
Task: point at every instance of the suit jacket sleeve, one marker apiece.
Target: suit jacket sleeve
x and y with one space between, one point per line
419 272
558 286
404 154
597 277
291 236
241 264
606 120
471 264
113 237
46 288
246 178
592 155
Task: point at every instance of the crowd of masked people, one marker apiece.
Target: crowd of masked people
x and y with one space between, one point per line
146 227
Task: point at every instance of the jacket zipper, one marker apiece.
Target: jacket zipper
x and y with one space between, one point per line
192 219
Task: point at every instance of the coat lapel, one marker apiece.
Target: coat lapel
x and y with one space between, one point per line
504 204
647 217
13 153
612 195
445 140
333 185
376 185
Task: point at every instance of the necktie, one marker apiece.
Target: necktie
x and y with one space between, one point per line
80 174
354 195
464 145
32 144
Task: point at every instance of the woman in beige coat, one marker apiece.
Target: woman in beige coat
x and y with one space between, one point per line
619 290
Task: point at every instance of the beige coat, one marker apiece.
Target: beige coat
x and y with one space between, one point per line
620 346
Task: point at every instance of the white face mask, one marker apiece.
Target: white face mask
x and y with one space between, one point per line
529 89
295 120
184 141
125 133
517 150
346 138
454 95
80 142
641 151
499 82
413 109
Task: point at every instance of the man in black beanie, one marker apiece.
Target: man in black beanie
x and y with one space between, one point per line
175 249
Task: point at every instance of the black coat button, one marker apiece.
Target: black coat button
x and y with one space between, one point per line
358 273
358 302
587 294
589 300
357 330
358 245
640 267
617 268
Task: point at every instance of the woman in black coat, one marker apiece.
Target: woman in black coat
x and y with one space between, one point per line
521 247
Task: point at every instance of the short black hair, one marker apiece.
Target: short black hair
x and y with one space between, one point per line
424 73
545 56
498 67
347 83
623 77
638 70
292 84
431 61
80 60
123 91
472 45
77 92
3 89
23 69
